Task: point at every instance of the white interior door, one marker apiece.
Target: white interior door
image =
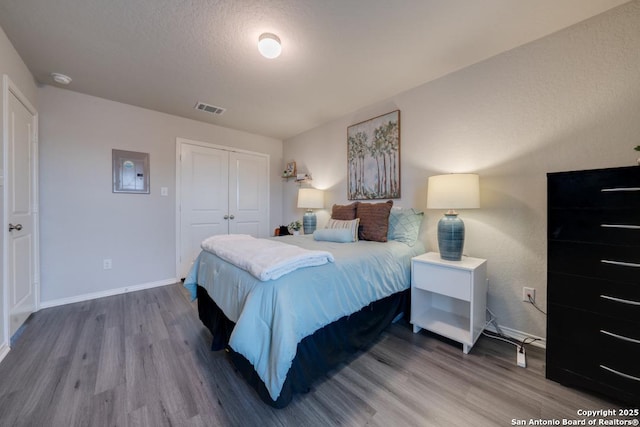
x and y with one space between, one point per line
248 194
221 191
204 195
21 206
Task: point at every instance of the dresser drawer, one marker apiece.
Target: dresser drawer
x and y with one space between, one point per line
619 355
612 299
607 226
441 280
568 337
601 348
615 263
616 187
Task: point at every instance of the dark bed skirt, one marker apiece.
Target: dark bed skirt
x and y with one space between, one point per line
316 354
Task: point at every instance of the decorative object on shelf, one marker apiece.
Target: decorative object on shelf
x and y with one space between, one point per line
289 170
130 171
309 199
269 45
373 158
282 230
295 226
638 149
452 191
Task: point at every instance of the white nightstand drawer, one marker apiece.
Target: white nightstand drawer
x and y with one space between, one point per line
444 281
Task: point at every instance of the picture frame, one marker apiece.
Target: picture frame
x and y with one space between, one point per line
289 170
373 158
130 171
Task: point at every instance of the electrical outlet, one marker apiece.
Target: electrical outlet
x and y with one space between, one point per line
528 291
106 264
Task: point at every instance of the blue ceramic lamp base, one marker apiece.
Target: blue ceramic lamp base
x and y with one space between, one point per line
309 222
450 237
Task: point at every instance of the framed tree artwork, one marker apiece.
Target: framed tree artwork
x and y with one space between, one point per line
373 158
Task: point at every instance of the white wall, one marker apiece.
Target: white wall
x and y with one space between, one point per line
83 222
568 101
12 65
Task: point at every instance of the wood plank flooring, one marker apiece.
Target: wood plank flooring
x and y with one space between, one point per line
143 359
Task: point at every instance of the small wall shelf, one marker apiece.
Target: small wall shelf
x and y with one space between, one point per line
299 178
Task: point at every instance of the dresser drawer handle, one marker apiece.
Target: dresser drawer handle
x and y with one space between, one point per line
623 301
608 190
613 371
620 337
625 226
621 263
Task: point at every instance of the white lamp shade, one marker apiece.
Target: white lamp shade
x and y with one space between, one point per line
269 45
310 198
453 191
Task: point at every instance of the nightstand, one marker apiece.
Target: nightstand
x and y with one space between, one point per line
449 297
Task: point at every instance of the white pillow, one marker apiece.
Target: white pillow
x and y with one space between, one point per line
351 225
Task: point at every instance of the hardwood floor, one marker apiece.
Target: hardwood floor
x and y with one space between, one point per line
143 359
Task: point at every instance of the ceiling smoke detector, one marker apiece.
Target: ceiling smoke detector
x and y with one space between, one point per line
60 78
208 108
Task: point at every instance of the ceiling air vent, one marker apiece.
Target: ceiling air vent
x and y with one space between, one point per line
210 108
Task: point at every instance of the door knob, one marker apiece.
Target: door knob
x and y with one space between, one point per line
231 217
226 217
15 227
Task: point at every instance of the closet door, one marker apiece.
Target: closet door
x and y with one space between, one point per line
248 194
220 192
204 196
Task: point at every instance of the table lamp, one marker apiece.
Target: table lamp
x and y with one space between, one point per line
452 191
309 199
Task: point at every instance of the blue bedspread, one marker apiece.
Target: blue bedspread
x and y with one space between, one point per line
272 317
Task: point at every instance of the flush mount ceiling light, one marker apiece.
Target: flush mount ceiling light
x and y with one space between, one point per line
269 45
60 78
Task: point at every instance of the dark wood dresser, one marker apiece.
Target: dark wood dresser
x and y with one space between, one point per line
593 281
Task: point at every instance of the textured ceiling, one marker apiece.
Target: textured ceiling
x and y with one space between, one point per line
337 55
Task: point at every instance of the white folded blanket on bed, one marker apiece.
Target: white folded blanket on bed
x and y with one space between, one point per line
263 258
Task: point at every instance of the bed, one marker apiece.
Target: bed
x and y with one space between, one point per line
283 334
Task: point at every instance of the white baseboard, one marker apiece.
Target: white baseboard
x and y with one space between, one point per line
108 293
519 335
4 350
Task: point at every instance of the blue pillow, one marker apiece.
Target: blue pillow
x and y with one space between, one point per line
338 235
404 225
